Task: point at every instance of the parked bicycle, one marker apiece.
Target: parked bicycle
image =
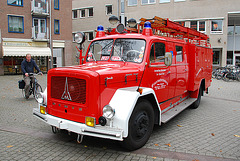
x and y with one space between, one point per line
234 74
226 73
35 88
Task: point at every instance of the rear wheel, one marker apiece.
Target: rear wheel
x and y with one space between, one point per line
37 91
197 102
140 126
23 93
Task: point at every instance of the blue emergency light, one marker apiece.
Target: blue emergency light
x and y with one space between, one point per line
100 28
147 24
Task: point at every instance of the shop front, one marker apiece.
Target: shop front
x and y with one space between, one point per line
14 52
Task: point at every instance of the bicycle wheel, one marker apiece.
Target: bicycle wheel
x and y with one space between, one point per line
24 95
37 91
238 76
227 77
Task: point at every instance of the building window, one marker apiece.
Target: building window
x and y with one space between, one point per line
230 30
164 1
193 25
122 6
82 13
108 9
74 12
179 0
90 12
216 57
201 26
73 36
132 2
16 24
229 57
148 1
198 25
56 27
15 2
181 23
56 4
216 26
90 36
237 30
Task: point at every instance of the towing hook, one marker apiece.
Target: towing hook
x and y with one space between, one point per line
55 129
79 139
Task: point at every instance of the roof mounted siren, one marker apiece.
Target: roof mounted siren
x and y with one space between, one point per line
100 31
147 30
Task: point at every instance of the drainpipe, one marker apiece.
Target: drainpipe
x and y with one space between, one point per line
50 32
118 8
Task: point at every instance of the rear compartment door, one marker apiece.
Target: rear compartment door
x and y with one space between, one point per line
181 67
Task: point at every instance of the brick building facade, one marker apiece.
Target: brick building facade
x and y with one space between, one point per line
25 28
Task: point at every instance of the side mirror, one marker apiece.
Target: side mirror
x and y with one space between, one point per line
168 59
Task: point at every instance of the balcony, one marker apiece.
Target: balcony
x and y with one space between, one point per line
39 8
40 36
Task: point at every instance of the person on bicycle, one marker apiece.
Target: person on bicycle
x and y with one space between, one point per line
27 67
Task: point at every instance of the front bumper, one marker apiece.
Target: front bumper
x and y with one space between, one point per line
79 128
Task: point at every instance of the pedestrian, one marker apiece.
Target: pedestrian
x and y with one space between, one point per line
27 67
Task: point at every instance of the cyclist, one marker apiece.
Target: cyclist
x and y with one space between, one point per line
27 67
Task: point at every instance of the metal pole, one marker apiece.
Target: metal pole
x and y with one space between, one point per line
118 8
50 33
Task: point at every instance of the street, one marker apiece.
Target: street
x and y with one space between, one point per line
211 132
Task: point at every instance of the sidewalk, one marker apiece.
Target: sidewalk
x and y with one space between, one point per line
207 133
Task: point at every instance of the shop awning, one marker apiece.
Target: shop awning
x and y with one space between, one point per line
22 51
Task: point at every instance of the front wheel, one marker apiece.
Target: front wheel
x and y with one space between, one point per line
37 91
140 126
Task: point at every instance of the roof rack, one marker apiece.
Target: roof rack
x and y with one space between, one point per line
174 29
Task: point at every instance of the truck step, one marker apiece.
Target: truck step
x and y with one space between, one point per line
177 109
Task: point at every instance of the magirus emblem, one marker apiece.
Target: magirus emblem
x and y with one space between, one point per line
66 95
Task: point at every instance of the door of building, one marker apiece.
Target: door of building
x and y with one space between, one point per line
57 57
237 59
39 28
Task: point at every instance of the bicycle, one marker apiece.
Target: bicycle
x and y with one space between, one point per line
35 88
234 74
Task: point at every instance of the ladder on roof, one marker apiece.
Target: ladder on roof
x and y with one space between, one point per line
175 29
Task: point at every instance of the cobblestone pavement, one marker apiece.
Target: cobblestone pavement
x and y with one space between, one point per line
210 132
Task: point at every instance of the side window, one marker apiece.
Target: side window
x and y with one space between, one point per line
157 52
179 56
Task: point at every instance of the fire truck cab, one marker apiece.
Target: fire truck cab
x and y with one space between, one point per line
129 80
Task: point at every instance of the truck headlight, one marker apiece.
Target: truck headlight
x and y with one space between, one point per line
40 98
108 112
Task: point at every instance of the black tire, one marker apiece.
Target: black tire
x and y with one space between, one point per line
197 102
24 94
238 76
226 77
140 126
37 91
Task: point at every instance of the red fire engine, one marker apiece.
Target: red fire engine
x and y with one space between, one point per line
129 80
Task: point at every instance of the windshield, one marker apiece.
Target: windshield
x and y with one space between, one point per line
126 50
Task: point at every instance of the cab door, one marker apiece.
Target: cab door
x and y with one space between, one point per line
157 72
